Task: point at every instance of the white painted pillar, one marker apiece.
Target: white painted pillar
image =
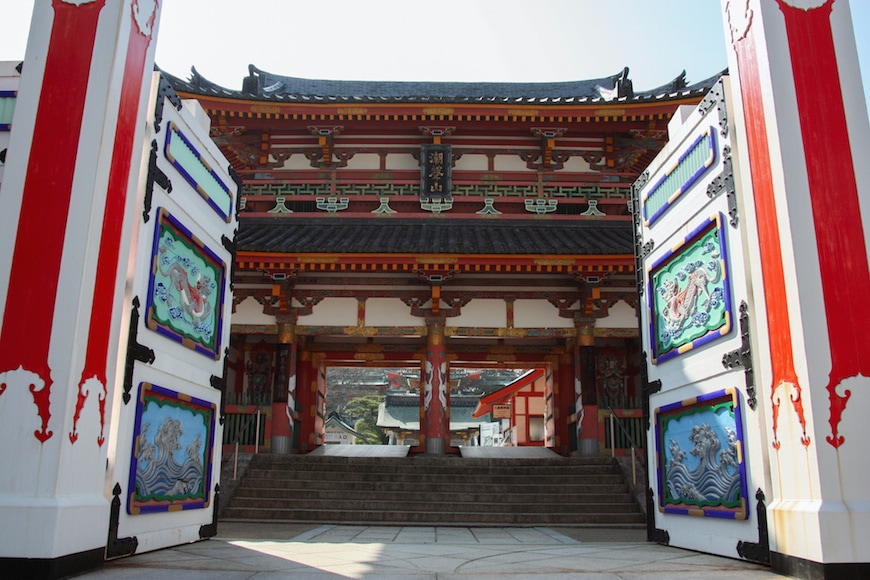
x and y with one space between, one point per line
79 123
804 136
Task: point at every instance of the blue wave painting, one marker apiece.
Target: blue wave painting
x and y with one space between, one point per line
174 437
701 469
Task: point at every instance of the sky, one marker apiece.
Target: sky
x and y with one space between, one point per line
447 40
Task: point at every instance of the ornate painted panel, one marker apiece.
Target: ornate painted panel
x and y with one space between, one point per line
173 439
688 293
192 165
700 456
7 109
698 157
186 288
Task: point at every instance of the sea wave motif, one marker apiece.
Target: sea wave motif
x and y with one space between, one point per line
163 476
715 480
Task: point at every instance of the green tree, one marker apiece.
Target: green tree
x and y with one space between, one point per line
371 433
363 411
365 407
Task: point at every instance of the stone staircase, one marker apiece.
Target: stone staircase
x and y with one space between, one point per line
443 490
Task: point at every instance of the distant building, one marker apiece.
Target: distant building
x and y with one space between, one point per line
338 432
399 418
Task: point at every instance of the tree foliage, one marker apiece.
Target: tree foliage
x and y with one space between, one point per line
365 407
370 431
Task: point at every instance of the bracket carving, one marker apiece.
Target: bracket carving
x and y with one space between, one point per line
164 92
155 175
210 530
742 357
135 351
117 547
725 182
654 534
716 97
757 552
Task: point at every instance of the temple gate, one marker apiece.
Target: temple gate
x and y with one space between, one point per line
377 229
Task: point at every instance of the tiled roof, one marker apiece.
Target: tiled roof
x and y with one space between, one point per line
262 85
445 236
404 413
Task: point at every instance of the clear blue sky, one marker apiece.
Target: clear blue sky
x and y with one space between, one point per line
458 40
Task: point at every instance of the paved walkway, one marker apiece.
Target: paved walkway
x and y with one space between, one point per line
271 551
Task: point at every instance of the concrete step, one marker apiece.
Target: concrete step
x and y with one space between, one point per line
426 505
457 477
616 494
435 490
435 518
410 466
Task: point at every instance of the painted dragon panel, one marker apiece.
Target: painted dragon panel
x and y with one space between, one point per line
688 293
186 288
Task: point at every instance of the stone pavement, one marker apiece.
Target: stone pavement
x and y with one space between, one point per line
268 551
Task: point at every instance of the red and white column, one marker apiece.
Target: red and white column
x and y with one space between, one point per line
284 401
66 194
586 411
436 426
803 138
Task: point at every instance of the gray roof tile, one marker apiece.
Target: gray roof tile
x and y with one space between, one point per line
448 236
263 85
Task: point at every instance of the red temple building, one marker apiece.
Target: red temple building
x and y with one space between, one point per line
527 255
436 225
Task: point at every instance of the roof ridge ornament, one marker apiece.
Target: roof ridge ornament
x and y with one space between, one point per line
622 88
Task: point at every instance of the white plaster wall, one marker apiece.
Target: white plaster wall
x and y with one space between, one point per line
509 163
9 77
197 115
332 312
249 311
620 315
472 163
297 161
576 164
364 161
272 159
402 161
538 314
390 312
485 312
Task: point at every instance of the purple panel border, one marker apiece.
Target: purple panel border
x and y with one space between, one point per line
134 457
163 214
734 393
719 220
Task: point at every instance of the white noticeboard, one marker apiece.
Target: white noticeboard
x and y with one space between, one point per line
490 434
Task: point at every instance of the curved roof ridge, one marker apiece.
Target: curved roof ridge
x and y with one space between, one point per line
266 83
266 86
